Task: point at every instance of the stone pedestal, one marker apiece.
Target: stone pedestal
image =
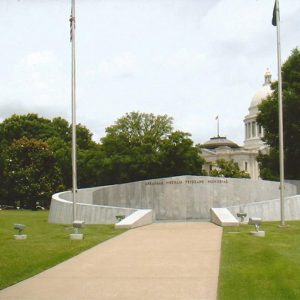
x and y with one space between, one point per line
76 236
259 233
20 236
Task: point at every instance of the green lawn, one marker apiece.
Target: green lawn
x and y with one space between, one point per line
46 244
260 268
251 267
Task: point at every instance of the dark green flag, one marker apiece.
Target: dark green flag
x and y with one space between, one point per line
274 19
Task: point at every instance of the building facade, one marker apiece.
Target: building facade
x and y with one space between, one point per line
221 148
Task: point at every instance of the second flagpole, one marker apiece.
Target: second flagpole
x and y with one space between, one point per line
281 147
73 94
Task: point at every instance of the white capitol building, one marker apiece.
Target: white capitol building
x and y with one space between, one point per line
220 147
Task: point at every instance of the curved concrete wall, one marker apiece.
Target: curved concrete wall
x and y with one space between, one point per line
174 198
296 183
270 210
188 197
61 210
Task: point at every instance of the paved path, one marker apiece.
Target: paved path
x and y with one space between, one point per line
156 262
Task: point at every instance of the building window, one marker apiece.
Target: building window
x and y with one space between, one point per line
246 166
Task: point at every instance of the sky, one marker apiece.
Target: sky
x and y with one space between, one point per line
190 59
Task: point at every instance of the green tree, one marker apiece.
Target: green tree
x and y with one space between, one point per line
268 165
179 156
3 189
62 153
19 126
84 137
12 129
60 129
268 118
142 146
32 174
90 167
57 134
228 168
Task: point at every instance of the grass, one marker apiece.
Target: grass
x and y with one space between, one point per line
46 244
260 268
251 267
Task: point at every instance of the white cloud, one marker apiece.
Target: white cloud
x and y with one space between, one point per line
231 20
39 58
189 59
121 65
36 84
184 59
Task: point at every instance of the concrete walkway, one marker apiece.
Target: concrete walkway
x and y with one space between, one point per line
156 262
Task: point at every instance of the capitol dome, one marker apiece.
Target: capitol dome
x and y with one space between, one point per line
253 131
262 93
219 147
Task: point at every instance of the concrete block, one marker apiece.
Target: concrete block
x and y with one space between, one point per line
20 236
76 236
259 233
223 217
139 218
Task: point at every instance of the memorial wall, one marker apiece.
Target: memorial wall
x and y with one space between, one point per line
188 197
175 198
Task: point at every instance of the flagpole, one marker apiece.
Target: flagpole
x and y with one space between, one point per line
281 148
73 94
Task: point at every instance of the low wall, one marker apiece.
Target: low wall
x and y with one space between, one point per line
174 198
83 195
296 183
270 210
61 210
188 197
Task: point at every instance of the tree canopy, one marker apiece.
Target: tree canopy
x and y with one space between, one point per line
35 155
143 146
31 173
228 168
31 132
268 118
